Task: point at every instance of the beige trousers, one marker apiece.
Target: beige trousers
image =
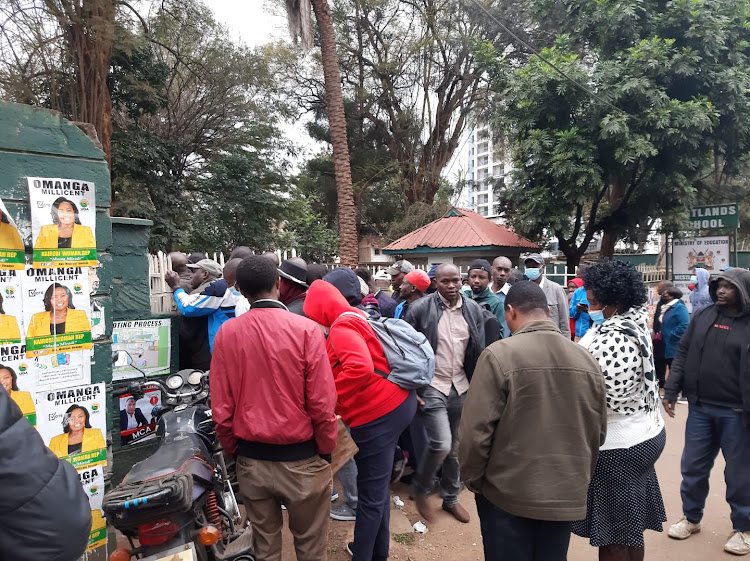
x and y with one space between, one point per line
304 487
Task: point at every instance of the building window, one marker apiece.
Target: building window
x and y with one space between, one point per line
483 199
483 148
377 251
482 210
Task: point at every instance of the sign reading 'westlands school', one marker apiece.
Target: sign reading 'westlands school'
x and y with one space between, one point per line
716 216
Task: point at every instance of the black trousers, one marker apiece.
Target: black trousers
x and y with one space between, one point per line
511 538
661 370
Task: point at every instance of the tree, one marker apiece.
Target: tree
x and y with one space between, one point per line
74 76
299 22
633 147
185 99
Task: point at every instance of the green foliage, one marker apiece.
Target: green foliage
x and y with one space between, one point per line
308 232
677 77
196 147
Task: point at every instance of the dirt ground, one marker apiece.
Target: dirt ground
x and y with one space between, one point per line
450 540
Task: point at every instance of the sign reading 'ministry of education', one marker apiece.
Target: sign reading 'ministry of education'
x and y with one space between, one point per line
716 216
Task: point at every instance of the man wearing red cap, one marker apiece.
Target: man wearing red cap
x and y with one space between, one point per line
413 287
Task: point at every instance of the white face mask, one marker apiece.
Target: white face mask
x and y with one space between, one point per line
532 272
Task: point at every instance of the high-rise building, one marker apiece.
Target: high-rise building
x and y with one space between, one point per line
485 173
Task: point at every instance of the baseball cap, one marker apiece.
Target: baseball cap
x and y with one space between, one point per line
382 275
196 256
208 265
482 265
419 280
401 266
431 272
537 258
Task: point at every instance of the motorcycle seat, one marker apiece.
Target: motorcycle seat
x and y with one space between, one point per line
185 453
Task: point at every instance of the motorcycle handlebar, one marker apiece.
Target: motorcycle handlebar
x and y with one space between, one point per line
121 392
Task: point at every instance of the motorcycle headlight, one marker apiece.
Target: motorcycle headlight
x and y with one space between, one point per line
195 378
174 382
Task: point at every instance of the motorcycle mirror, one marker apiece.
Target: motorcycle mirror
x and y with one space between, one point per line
121 358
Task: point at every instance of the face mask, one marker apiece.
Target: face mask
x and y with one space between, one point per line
597 316
532 273
694 279
234 291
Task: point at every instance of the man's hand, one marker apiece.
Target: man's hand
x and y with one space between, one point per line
582 307
420 401
172 279
668 406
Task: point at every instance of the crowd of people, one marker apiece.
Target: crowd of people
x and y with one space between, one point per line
547 406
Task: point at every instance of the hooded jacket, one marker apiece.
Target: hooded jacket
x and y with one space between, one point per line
700 297
492 303
354 352
44 511
347 282
686 374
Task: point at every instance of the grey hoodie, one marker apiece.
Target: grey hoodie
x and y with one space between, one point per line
700 298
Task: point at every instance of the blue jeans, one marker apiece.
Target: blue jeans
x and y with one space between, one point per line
441 415
376 441
708 430
512 538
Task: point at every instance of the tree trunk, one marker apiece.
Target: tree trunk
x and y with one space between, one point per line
348 249
609 235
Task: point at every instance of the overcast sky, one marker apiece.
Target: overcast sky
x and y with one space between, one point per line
251 21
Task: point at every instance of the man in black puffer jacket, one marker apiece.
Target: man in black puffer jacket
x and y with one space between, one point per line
44 512
712 369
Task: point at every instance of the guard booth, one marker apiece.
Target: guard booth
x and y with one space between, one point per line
51 166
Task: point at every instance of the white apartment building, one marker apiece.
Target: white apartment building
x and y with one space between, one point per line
485 173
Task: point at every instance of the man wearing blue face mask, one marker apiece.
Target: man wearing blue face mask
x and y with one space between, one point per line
558 303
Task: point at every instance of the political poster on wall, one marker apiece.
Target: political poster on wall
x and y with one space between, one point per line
12 254
710 253
92 480
63 222
17 379
11 308
148 342
73 422
56 308
137 422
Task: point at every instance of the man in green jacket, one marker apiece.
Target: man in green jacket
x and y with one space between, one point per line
532 424
480 275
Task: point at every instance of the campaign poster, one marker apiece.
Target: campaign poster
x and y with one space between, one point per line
148 344
92 481
56 308
11 307
710 253
12 254
73 423
98 534
137 422
17 379
63 222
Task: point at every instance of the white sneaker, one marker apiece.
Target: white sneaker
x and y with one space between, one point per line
738 544
683 529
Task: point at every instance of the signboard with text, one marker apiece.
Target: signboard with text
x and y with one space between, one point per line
725 215
710 253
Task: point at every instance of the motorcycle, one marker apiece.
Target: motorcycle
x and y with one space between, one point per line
178 504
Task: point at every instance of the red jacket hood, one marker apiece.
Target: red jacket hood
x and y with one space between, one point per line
324 303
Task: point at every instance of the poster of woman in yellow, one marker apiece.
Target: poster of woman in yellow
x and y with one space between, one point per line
78 436
11 245
9 381
62 324
63 222
9 331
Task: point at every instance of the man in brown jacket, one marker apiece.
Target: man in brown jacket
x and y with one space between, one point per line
533 421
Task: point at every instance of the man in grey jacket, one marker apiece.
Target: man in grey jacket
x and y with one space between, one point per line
454 326
44 511
531 470
556 299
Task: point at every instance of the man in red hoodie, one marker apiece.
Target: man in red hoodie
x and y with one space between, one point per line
376 409
273 400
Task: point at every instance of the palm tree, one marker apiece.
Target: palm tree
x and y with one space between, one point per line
300 25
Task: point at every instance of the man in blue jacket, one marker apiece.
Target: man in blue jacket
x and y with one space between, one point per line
208 305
